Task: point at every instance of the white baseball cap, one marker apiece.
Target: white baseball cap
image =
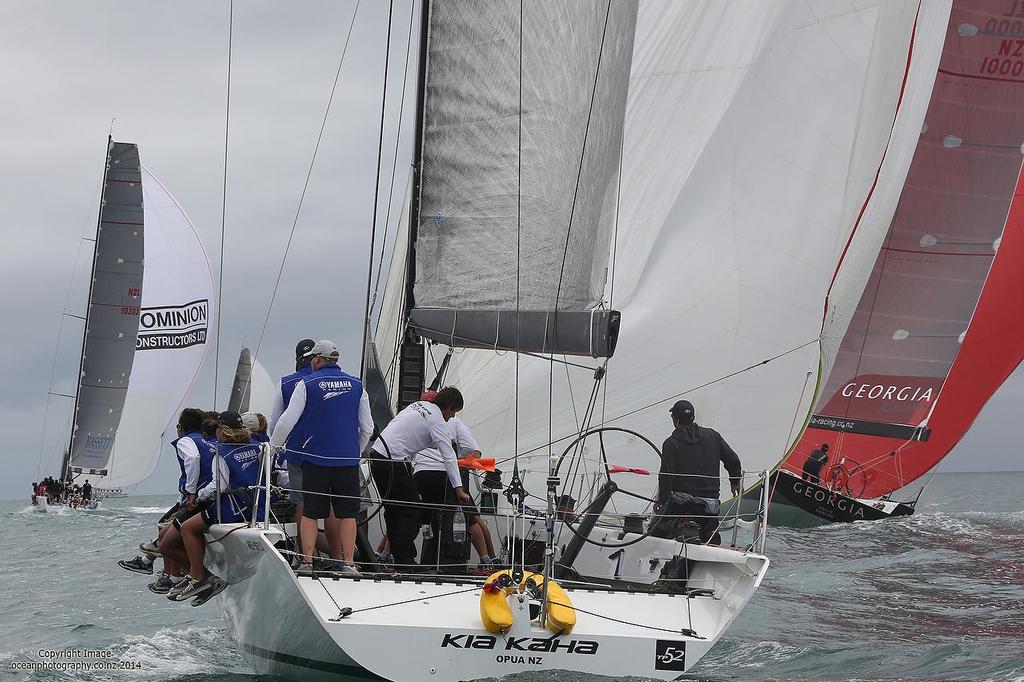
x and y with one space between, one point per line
250 421
324 348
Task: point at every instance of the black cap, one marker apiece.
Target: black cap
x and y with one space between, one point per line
824 446
303 347
232 420
682 411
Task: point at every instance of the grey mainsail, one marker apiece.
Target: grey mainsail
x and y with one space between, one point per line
241 388
112 317
523 110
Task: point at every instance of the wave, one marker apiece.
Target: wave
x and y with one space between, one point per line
172 653
145 510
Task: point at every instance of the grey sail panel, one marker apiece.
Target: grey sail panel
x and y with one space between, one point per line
592 333
112 320
471 245
241 388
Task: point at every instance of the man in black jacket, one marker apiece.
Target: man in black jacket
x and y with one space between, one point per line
690 461
815 461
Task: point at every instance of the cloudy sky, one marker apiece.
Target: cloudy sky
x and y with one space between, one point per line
67 69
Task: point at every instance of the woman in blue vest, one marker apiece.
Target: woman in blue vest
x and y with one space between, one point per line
237 464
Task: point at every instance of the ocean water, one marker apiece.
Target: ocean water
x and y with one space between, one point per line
936 596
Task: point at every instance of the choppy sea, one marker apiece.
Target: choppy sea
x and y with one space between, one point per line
936 596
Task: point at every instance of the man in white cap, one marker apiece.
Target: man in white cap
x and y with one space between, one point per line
332 412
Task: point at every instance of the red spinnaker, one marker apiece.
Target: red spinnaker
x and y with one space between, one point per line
940 325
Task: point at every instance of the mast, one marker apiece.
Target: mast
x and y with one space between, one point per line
66 460
412 353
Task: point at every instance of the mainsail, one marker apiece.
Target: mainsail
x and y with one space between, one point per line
112 317
173 326
746 158
939 326
522 129
252 388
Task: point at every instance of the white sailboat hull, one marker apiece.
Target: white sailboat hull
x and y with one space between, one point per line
431 629
42 504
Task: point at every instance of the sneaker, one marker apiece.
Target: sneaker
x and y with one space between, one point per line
150 548
137 565
331 565
350 571
162 585
189 587
217 585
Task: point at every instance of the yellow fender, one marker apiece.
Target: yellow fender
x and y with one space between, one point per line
494 610
497 616
561 613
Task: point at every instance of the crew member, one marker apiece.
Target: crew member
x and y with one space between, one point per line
87 491
291 457
690 460
419 426
436 481
332 412
815 461
237 461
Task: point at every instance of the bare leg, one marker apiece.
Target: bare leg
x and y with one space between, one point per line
476 534
195 544
298 525
173 548
309 534
347 532
332 528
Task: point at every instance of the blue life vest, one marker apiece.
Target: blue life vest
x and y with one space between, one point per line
260 437
205 461
295 438
330 421
243 460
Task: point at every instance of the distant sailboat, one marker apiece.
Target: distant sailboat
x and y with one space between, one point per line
940 324
146 326
252 388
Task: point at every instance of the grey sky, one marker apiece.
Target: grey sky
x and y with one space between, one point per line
160 68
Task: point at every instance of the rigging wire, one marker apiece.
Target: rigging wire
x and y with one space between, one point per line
305 185
223 204
684 392
376 193
394 162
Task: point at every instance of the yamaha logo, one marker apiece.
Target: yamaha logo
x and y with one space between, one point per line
323 385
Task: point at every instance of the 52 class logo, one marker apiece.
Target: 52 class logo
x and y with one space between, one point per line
670 655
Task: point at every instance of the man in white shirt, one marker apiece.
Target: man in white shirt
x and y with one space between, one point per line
429 471
419 426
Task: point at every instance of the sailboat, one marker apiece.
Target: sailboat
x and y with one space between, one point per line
146 327
939 326
601 209
252 388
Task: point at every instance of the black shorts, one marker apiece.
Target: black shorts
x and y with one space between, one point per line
184 513
342 483
169 514
436 489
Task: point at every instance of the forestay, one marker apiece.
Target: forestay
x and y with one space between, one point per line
752 134
911 375
174 325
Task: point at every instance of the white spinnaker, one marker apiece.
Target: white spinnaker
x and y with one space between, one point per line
177 273
262 387
748 129
898 148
